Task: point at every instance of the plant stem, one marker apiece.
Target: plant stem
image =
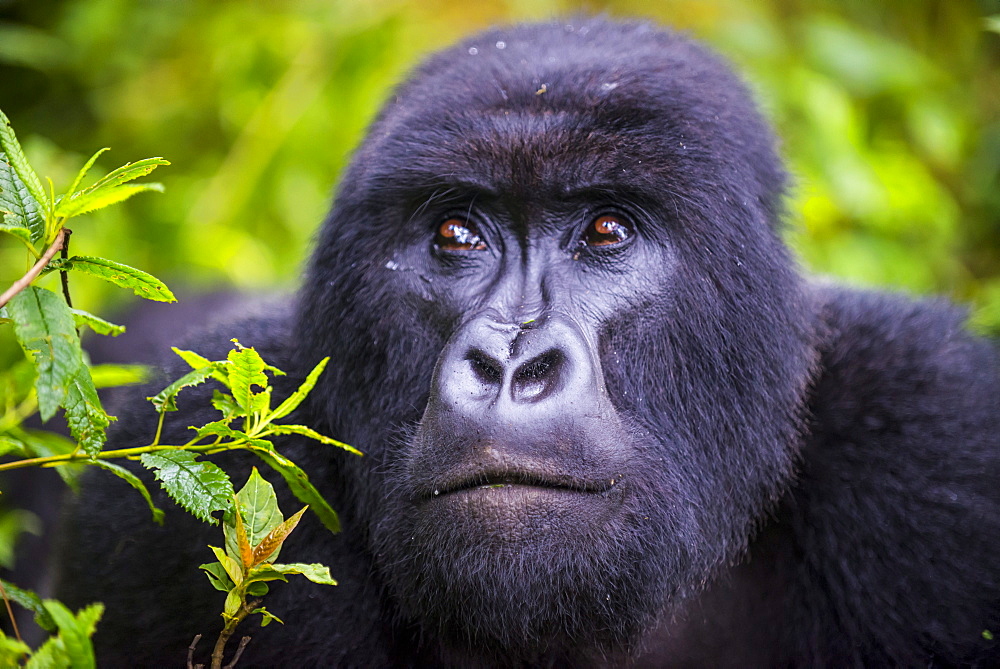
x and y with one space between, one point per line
227 631
54 460
65 275
35 270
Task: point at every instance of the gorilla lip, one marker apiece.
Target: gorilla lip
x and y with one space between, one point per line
500 479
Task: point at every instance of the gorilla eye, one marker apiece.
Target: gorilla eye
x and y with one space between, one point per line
457 234
607 230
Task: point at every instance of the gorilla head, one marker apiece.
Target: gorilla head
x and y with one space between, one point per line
571 341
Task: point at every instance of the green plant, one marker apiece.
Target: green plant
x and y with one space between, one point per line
55 374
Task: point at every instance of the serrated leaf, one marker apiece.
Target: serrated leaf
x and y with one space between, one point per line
85 416
295 399
23 210
92 200
298 483
166 399
114 376
75 631
136 483
218 577
245 371
200 487
24 234
227 405
197 361
98 325
50 655
32 602
270 546
14 156
317 573
142 284
312 434
129 172
83 173
220 428
44 327
260 513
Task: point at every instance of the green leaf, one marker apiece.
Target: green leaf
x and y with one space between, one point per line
200 487
227 405
197 361
300 394
317 573
14 156
166 399
21 209
233 604
300 486
32 602
114 376
92 200
221 428
51 655
75 631
24 234
246 371
258 589
85 417
83 173
9 444
142 284
269 547
218 577
312 434
267 617
44 327
264 572
43 444
128 172
136 483
231 566
993 23
98 325
259 510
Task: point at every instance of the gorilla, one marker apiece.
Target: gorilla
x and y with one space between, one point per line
606 419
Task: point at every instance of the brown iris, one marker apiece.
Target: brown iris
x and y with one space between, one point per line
458 234
606 230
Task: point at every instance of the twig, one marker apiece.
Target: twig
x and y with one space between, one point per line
64 254
239 651
10 613
35 270
194 644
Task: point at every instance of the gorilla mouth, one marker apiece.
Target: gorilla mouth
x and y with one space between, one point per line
504 479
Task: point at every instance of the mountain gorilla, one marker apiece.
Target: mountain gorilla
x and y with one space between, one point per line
606 420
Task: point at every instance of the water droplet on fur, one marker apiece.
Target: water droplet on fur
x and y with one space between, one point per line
473 51
437 492
501 44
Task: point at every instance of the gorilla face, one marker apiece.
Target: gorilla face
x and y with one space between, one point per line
577 347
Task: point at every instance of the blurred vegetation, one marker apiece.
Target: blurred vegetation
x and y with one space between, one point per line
889 114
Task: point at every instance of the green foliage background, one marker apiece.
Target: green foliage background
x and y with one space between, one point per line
889 114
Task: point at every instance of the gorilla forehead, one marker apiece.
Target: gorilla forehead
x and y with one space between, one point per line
551 112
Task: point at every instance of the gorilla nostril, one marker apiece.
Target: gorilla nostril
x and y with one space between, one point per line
486 369
537 377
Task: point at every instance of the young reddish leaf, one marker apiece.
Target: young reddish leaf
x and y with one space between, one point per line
298 483
269 545
245 552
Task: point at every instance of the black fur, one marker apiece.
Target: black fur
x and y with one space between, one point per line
698 457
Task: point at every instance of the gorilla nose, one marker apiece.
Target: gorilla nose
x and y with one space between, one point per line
523 367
